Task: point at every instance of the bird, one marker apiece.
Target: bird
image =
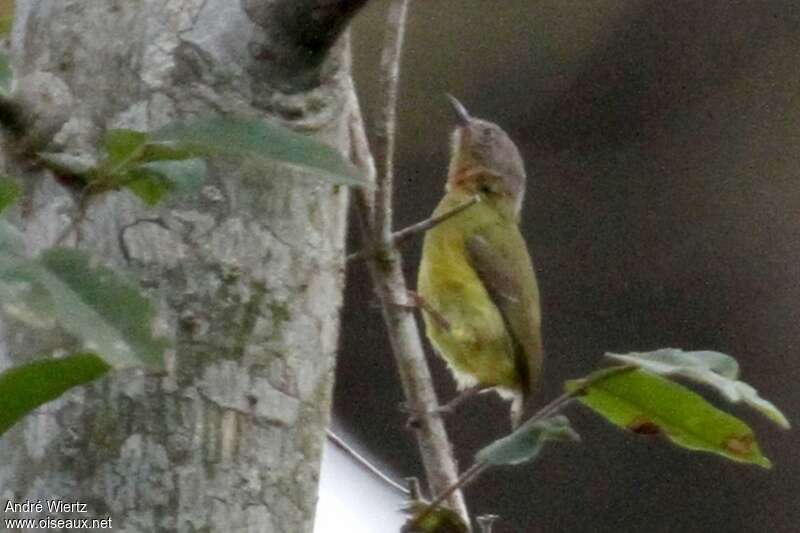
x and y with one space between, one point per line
476 279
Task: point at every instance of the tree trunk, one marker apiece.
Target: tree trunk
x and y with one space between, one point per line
247 273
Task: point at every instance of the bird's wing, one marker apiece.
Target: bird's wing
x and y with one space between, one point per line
500 257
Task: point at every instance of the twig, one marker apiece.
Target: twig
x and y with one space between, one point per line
553 407
404 337
386 126
387 278
342 445
401 236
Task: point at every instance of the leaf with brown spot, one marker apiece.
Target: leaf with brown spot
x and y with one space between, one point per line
644 426
644 402
742 446
717 370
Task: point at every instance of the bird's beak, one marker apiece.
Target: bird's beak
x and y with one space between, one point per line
462 117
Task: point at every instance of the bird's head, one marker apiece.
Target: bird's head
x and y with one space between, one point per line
484 159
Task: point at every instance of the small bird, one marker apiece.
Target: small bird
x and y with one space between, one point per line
476 279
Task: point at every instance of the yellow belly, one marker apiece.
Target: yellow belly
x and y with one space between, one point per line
476 346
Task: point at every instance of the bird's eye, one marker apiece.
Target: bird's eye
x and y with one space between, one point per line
485 188
488 133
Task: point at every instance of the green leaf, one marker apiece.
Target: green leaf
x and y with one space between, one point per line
184 175
106 312
164 151
527 441
647 404
123 147
96 304
152 180
9 192
150 170
260 142
715 369
148 188
24 388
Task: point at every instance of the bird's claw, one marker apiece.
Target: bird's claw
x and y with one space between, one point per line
415 416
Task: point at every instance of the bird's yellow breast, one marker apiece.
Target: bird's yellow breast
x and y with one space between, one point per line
476 345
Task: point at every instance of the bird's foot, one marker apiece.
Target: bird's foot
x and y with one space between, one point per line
413 302
416 301
415 415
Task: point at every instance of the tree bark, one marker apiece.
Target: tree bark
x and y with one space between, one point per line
247 273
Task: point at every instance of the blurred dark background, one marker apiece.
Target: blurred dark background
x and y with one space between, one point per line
662 142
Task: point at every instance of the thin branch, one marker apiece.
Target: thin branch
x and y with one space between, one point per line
401 236
375 216
404 336
386 127
342 445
